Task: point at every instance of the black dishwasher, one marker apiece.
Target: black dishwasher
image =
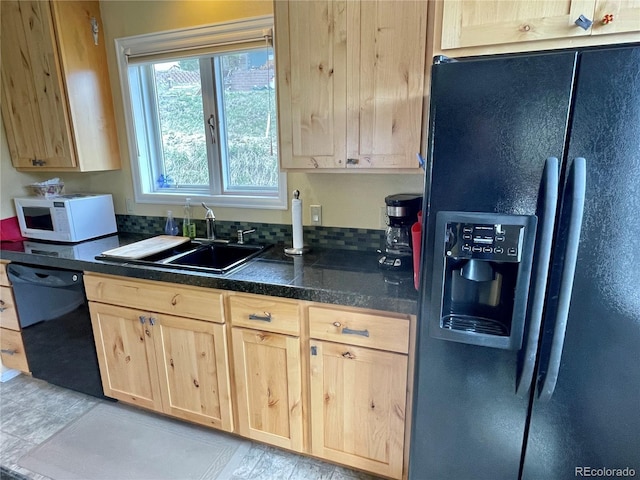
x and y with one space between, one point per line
56 327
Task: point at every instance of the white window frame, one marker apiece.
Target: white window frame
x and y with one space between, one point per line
176 41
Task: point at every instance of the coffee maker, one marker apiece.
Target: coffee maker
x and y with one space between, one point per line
397 249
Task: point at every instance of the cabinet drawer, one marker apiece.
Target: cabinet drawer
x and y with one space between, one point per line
365 328
12 350
4 279
8 314
265 313
181 300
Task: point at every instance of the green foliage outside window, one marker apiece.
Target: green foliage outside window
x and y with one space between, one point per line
251 128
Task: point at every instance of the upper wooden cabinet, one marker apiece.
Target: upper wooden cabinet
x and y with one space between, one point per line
350 83
56 97
468 27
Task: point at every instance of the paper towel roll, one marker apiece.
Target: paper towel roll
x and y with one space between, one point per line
296 222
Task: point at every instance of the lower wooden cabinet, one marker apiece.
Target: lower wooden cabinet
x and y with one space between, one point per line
126 355
192 362
325 380
12 351
268 387
268 372
358 398
169 364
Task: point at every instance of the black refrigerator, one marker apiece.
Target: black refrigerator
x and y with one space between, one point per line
528 354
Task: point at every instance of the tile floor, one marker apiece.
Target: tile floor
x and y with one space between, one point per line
32 410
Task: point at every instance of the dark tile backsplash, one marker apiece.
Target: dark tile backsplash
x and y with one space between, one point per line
360 239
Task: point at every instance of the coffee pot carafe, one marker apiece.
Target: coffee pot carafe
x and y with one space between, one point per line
397 249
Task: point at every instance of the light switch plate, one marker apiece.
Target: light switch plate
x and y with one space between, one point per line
316 214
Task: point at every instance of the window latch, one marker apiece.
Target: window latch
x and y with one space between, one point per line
212 128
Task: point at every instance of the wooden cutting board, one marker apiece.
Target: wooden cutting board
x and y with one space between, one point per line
147 247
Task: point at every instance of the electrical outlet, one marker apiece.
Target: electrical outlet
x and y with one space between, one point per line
383 217
130 205
316 214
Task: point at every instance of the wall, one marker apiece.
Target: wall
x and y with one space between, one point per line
348 200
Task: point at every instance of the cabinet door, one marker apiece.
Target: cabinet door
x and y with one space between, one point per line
12 351
311 53
8 312
469 23
88 89
268 380
386 59
358 398
33 106
193 369
126 355
625 16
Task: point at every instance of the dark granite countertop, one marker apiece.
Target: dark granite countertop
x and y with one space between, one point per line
340 277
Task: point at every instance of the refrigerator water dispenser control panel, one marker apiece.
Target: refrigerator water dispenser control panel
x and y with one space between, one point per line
491 242
481 276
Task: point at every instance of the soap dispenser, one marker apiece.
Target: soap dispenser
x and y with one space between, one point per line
170 227
188 226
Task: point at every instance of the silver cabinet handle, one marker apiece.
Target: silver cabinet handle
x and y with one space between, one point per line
142 319
349 355
348 331
583 22
2 306
263 318
152 321
8 352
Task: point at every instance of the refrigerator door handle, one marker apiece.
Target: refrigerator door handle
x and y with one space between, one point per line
547 214
577 182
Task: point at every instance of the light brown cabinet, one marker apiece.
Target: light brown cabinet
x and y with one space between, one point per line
331 381
56 97
12 350
476 27
170 364
350 83
126 355
359 396
267 367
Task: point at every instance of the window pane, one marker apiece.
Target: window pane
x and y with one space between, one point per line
180 114
249 119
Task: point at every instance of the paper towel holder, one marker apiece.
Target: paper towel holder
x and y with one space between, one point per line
294 250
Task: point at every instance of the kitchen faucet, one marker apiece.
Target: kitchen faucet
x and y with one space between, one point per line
210 219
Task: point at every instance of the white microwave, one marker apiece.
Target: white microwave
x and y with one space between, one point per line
66 218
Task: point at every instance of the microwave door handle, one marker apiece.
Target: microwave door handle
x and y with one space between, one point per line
576 187
549 203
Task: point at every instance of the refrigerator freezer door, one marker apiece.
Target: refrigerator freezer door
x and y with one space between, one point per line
592 420
494 123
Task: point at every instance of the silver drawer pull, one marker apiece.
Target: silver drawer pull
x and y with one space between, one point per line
152 321
142 319
8 352
348 331
263 318
348 355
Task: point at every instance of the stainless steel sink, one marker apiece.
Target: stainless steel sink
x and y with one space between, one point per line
204 257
